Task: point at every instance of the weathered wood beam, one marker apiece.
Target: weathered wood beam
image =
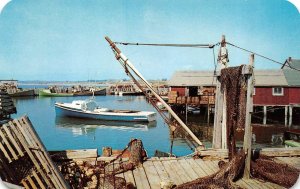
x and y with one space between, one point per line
74 154
280 152
248 128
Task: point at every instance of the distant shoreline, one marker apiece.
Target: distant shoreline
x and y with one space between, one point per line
65 84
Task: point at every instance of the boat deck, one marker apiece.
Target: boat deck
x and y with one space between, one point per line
181 170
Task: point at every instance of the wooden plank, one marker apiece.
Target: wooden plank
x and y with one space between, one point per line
16 132
31 182
196 168
25 184
37 178
188 169
264 184
283 152
171 172
222 153
248 127
137 178
224 121
75 154
254 184
5 153
144 178
11 138
293 161
8 145
34 161
129 177
163 174
243 184
206 169
217 132
152 175
215 164
212 166
276 186
45 152
180 171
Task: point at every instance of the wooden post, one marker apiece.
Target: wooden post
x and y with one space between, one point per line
217 133
208 114
224 122
223 54
265 115
186 104
290 115
285 115
248 128
186 113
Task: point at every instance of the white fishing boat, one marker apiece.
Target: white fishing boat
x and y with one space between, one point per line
89 109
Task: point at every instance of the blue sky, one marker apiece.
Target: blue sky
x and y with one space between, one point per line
64 39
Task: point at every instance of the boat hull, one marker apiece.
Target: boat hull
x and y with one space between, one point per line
47 93
29 92
69 112
100 92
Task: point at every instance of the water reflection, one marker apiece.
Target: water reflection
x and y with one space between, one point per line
85 126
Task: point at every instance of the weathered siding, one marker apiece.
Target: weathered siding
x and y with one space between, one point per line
294 95
264 96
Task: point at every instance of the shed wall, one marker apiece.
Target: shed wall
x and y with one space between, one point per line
264 96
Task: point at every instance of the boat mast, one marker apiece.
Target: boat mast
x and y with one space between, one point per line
127 64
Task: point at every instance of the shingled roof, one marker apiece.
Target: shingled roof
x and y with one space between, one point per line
292 76
192 78
207 78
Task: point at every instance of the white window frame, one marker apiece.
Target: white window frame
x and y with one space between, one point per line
253 92
278 94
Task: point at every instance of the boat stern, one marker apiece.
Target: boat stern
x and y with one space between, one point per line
151 116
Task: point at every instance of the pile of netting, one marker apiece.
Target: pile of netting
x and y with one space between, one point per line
82 174
233 85
267 169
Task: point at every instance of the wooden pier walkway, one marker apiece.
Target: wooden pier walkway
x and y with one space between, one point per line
181 170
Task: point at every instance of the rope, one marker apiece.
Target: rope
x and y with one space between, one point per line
169 45
262 56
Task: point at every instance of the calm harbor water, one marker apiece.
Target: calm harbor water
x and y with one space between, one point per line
59 133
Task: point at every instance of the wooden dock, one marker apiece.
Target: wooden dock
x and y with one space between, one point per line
180 170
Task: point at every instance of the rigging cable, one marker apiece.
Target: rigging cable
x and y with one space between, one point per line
169 45
127 71
263 56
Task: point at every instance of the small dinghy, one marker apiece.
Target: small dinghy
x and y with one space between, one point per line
89 109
